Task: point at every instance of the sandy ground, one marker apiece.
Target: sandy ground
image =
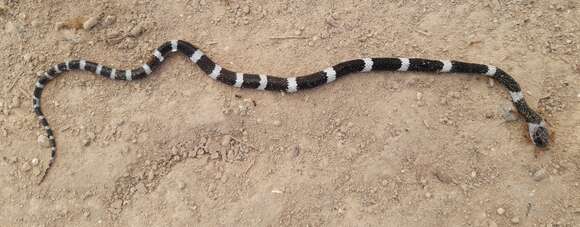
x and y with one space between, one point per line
379 149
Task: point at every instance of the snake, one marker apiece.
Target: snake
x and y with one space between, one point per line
537 128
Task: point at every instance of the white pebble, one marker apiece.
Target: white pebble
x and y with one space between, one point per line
515 220
34 161
500 211
90 23
43 141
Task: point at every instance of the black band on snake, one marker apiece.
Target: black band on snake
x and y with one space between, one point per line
538 131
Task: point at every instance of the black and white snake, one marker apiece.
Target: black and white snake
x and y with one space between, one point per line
538 131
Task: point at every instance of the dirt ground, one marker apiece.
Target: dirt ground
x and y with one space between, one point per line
378 149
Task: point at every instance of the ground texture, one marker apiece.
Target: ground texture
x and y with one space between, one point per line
388 149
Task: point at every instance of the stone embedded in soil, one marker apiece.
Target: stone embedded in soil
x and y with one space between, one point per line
180 185
86 142
442 176
500 211
515 220
90 23
540 175
109 20
508 114
136 31
34 162
43 141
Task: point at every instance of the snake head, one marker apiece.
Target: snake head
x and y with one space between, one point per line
539 134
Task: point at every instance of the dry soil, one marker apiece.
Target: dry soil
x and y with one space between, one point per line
378 149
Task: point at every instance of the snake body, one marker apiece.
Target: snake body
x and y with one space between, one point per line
537 128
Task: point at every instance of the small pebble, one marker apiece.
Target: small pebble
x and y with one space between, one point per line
540 175
515 220
35 23
419 96
43 141
428 195
86 142
90 23
246 9
500 211
34 162
442 176
180 185
277 123
508 114
136 31
10 27
109 20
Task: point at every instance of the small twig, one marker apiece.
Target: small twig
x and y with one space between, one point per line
420 32
23 93
14 83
